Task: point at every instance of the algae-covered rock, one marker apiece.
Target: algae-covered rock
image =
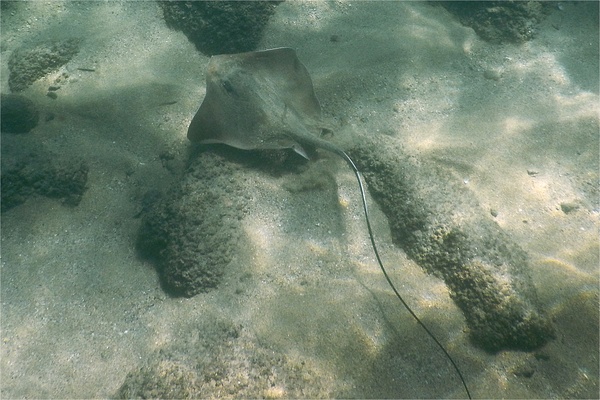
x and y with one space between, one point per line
218 27
192 233
222 361
163 379
440 225
501 21
27 171
27 65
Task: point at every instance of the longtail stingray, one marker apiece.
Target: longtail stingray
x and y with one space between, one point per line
265 100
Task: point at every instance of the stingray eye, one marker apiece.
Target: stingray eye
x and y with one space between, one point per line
228 87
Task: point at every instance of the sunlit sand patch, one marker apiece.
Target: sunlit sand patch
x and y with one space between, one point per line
265 238
276 392
582 105
514 125
570 271
343 202
319 249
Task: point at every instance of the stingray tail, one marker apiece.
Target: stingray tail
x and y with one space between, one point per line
346 157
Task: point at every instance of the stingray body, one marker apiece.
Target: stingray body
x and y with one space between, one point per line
259 100
265 100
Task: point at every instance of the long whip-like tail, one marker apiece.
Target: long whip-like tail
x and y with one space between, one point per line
387 277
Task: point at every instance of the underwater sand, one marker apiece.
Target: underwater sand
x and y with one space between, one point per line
80 310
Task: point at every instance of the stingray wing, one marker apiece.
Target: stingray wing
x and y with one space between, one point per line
248 96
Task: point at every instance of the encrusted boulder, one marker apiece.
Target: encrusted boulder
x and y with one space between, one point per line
441 226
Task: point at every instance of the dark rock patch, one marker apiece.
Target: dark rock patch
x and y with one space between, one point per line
569 206
27 65
218 27
501 21
222 360
18 114
191 234
441 226
29 171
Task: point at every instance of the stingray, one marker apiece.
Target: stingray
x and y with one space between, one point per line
265 100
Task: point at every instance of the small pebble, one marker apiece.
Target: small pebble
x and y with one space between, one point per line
569 207
492 74
524 371
541 356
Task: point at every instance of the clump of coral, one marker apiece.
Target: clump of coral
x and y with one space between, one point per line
222 361
191 234
440 225
218 27
27 65
500 21
28 171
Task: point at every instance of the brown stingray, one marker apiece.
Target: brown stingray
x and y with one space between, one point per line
259 100
265 100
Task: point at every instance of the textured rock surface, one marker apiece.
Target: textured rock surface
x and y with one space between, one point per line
221 361
192 232
30 64
218 27
28 171
501 21
440 225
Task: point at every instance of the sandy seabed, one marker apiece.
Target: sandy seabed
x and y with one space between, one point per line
517 124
